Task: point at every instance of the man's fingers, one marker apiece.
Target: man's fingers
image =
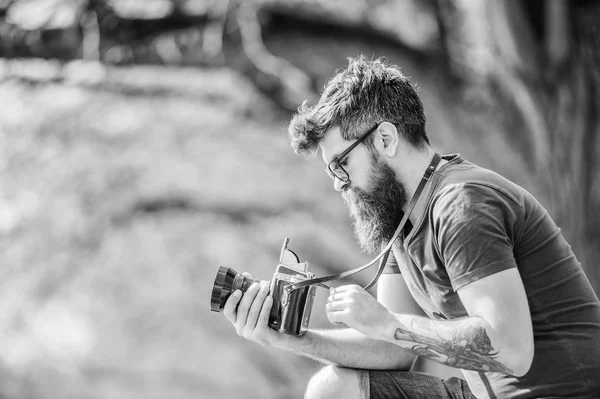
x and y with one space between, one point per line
335 306
244 306
256 307
338 293
337 317
263 317
344 288
231 305
338 296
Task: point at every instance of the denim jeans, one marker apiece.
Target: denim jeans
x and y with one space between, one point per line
410 385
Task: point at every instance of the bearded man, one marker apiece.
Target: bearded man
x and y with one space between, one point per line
481 278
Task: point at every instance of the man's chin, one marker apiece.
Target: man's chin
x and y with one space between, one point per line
368 231
375 212
370 242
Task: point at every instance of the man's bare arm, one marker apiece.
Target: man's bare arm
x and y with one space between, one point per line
498 335
348 348
462 343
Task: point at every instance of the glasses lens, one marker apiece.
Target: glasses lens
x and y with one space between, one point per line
330 173
335 171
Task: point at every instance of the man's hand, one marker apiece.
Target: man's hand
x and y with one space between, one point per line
249 313
356 308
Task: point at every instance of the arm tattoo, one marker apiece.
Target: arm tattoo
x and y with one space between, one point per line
464 345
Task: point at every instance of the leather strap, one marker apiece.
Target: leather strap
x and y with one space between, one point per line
383 256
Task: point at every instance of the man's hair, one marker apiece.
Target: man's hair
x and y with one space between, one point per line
357 98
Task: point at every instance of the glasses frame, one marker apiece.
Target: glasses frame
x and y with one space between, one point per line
340 157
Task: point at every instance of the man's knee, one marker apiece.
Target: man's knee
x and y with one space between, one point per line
333 382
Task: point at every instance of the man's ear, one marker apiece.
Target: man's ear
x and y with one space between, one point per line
389 138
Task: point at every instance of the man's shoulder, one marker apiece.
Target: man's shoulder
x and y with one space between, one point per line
468 182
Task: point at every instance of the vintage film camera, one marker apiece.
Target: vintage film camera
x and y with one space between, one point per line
291 309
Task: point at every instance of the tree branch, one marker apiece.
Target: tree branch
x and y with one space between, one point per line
517 67
558 33
212 43
273 74
515 42
91 36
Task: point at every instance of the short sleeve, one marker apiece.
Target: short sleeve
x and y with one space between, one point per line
391 266
474 231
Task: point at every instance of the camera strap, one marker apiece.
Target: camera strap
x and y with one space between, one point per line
383 256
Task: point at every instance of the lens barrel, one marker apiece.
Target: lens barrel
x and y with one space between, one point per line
226 282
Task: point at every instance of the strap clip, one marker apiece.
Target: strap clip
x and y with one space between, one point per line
431 168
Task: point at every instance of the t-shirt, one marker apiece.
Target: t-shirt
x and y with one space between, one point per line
477 223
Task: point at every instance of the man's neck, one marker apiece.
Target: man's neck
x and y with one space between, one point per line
412 178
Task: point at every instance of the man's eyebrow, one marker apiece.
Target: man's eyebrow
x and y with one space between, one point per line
335 156
331 159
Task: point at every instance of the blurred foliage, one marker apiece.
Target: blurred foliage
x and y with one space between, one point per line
123 29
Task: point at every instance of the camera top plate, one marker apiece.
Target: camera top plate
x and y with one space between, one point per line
287 256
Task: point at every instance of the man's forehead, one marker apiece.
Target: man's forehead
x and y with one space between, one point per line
332 144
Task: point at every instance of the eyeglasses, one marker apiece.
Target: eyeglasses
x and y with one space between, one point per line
335 170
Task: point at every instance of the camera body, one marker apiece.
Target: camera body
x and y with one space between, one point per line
291 309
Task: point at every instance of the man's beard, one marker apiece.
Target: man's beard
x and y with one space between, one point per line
376 213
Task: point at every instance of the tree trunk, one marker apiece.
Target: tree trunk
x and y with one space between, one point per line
553 78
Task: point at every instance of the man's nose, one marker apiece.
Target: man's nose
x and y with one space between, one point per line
340 185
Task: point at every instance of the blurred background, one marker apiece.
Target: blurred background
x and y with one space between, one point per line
143 144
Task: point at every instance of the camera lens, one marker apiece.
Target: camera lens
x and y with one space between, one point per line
226 282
